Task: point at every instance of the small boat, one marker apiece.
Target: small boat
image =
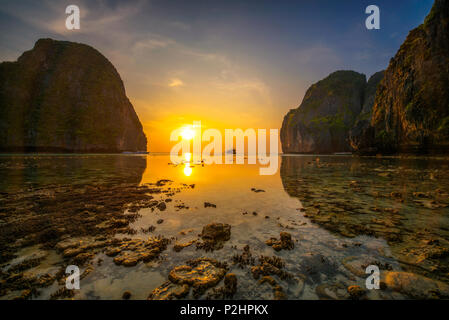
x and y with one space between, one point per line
233 151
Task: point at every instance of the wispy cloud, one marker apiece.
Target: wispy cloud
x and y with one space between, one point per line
176 83
152 41
50 16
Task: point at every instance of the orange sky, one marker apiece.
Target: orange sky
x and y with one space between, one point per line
227 64
186 106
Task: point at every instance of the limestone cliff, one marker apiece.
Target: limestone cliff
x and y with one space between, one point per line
359 136
411 109
328 111
65 96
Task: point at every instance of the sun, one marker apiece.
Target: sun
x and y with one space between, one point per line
187 133
187 156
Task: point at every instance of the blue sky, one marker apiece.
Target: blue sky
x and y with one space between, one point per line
227 63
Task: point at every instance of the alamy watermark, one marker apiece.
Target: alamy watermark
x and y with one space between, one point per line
213 152
373 280
72 282
373 20
72 22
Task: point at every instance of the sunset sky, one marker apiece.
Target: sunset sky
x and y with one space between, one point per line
229 64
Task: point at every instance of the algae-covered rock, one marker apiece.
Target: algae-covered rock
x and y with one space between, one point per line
230 283
278 291
131 251
285 242
356 292
66 96
333 291
416 286
169 291
269 266
226 291
214 235
202 273
179 246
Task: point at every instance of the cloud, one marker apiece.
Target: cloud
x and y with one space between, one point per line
176 83
239 82
152 41
207 56
50 16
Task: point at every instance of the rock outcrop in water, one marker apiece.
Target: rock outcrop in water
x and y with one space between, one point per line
328 111
65 96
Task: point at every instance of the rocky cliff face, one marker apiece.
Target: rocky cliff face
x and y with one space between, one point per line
405 109
64 96
359 136
411 109
322 122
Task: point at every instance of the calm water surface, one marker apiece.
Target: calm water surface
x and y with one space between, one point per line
317 199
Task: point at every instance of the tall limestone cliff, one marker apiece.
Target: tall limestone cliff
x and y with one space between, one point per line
411 109
362 130
65 96
328 111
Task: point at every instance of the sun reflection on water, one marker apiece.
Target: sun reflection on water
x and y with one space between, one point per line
187 165
188 170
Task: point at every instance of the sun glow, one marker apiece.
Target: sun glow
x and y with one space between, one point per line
187 156
187 133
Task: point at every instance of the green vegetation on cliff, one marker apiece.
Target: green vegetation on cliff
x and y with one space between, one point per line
325 116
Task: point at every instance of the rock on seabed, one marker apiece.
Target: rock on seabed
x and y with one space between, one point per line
416 286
